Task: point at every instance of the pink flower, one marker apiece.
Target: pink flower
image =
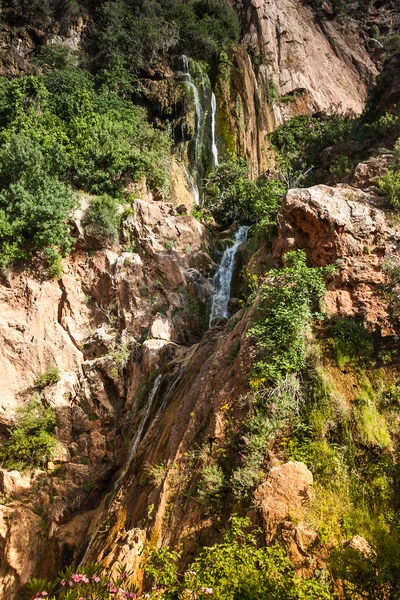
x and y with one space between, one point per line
207 590
63 582
96 578
77 577
85 579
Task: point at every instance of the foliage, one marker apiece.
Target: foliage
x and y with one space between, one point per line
234 568
87 582
49 377
52 57
156 473
31 442
102 219
389 186
143 34
300 142
34 205
285 309
269 411
64 128
352 343
233 196
212 484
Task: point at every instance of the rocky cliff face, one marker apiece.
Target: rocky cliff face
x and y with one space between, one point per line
143 382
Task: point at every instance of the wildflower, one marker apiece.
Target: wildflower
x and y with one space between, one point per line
44 593
63 582
96 578
85 579
207 590
77 577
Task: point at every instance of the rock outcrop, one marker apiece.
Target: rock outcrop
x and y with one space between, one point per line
343 226
285 495
106 324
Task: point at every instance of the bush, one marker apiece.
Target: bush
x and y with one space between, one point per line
102 219
352 343
49 377
233 196
285 308
389 186
31 442
234 568
211 484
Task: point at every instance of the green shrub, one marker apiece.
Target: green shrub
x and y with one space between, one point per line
389 186
212 484
102 219
352 343
234 568
31 443
285 309
233 196
52 57
372 426
49 377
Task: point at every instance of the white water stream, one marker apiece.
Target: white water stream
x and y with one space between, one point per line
223 277
199 112
214 147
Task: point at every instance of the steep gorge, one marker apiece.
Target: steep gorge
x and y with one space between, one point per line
144 382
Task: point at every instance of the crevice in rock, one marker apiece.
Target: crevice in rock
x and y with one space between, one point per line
61 306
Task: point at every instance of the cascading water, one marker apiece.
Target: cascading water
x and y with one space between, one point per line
223 277
187 79
136 440
203 157
214 148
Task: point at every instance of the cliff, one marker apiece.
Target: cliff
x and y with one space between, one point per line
157 411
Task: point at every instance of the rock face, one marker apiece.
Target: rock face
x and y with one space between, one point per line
92 324
285 495
341 226
314 58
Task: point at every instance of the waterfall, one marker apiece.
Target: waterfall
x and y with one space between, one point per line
137 438
223 277
213 138
199 113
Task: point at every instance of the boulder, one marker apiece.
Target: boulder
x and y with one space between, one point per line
14 483
286 494
341 226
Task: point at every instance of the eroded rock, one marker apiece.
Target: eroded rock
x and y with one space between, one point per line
286 494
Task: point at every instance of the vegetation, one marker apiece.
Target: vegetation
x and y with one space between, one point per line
64 129
237 567
233 196
285 306
31 443
49 377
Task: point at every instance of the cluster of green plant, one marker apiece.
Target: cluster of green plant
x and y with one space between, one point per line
40 10
287 303
92 581
233 196
143 33
102 219
31 442
300 142
389 184
391 288
352 343
68 128
237 567
269 410
48 377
